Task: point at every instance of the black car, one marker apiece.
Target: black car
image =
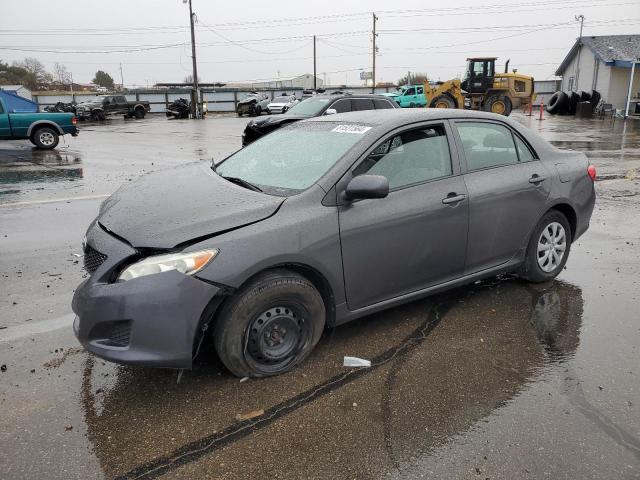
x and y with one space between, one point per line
315 106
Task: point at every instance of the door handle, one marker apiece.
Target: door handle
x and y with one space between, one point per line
535 178
453 198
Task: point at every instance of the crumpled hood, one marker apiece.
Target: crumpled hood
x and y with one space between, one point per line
273 120
176 206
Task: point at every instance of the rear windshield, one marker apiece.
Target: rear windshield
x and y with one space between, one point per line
309 107
292 159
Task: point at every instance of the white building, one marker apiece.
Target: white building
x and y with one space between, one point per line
603 63
304 82
20 90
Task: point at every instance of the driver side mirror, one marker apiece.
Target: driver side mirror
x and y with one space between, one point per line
331 111
367 186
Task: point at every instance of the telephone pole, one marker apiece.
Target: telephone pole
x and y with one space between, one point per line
314 64
195 111
121 78
579 18
373 72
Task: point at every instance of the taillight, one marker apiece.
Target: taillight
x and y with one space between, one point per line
591 170
74 120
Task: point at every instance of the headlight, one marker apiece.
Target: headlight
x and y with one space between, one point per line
187 263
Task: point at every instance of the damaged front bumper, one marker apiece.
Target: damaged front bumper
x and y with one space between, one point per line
151 321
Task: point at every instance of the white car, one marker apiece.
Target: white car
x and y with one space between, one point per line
282 104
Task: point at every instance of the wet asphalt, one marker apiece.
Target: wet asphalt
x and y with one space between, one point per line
500 379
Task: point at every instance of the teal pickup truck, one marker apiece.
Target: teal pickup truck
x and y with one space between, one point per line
409 96
17 122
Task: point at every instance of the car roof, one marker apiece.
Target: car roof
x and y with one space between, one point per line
349 95
391 118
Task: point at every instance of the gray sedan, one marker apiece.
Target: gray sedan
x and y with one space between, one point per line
319 223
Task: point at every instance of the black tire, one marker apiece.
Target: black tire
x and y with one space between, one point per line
574 98
585 96
412 105
45 138
239 112
500 104
531 268
442 101
139 113
595 99
270 325
558 102
97 116
257 111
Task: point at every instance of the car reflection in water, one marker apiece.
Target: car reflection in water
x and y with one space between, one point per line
37 166
439 366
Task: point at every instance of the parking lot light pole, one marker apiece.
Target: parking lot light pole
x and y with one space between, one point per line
195 111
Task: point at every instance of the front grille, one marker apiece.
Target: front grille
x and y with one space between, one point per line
119 336
93 259
112 334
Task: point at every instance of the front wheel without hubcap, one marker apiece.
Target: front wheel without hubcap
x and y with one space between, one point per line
270 325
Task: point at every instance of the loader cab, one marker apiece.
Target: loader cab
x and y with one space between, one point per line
479 75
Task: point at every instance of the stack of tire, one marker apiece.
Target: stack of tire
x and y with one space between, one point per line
562 103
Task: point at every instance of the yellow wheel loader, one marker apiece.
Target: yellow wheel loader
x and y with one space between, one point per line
482 89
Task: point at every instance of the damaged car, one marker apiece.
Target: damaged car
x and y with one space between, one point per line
319 223
253 104
315 106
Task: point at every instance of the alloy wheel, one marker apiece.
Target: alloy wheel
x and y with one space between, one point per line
47 139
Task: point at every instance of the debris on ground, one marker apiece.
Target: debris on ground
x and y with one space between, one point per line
244 379
3 368
249 415
56 362
68 428
356 362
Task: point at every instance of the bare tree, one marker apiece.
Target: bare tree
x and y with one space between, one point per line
189 79
61 74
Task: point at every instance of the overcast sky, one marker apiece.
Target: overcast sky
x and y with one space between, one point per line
256 40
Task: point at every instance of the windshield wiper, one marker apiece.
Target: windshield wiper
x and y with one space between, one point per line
243 183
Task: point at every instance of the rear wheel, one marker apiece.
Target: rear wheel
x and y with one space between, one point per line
45 138
139 113
548 248
500 104
97 116
442 101
270 325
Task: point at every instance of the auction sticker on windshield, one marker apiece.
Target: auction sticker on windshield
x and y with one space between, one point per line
359 129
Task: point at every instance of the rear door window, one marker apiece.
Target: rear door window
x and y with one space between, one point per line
487 145
524 153
410 91
382 104
342 106
362 104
